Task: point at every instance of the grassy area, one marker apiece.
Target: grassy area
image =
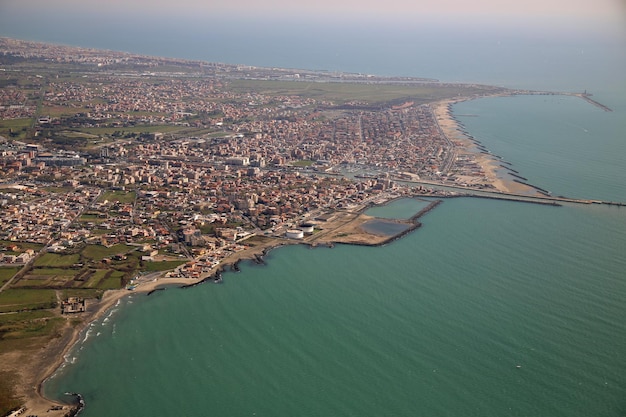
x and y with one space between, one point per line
54 272
303 163
56 260
91 218
371 93
6 273
15 124
161 266
124 197
59 111
23 299
23 329
108 131
9 401
30 283
98 252
18 127
22 245
96 277
114 281
81 293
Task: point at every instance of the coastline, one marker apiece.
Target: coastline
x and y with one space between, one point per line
34 376
491 164
56 352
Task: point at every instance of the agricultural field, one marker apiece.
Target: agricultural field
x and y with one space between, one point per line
6 273
56 260
26 299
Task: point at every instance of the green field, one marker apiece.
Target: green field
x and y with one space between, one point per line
114 281
161 266
303 163
91 217
98 252
124 197
6 273
108 131
96 277
370 93
55 260
19 127
22 299
81 293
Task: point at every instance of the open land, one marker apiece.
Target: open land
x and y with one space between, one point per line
123 172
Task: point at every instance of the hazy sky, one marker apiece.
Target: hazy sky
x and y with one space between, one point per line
573 10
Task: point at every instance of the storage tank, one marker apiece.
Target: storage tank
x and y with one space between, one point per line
306 227
294 234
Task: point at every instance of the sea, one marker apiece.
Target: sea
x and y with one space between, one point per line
490 309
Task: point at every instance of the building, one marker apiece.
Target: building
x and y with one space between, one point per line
238 160
73 305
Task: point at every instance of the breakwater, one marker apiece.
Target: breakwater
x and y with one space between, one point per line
425 210
80 404
587 98
155 290
412 223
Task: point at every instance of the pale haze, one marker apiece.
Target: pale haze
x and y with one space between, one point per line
562 10
410 37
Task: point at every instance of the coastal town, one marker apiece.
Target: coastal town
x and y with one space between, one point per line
125 172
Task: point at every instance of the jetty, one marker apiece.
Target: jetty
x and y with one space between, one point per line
587 97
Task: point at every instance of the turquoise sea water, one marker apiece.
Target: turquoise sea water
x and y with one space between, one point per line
491 308
433 324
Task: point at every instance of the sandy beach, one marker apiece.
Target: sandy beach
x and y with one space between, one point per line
465 146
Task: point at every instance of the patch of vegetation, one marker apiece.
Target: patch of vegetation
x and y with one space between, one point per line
56 260
52 271
15 128
161 265
99 252
9 401
81 293
124 197
26 299
342 93
91 217
30 328
30 283
303 163
8 320
114 281
96 277
22 245
7 273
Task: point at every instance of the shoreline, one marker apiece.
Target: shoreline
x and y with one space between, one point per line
37 403
465 144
